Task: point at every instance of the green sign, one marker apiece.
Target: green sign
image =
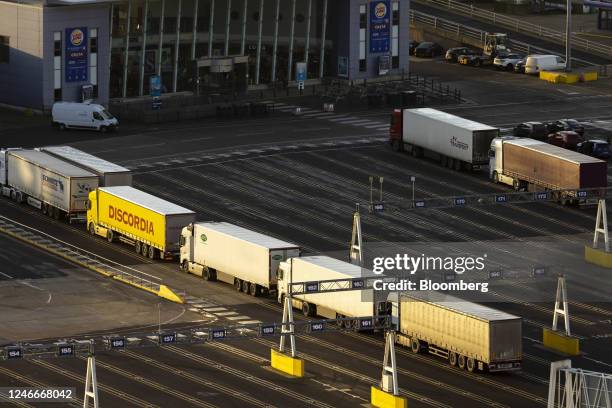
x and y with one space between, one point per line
203 237
277 257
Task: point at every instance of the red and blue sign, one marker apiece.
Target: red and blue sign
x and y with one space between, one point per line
76 54
380 26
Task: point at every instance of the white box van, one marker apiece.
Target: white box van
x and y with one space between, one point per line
74 115
536 63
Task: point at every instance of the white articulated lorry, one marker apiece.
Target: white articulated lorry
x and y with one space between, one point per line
332 305
110 174
57 188
469 335
456 142
235 255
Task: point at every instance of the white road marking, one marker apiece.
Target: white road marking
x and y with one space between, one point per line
30 285
343 118
214 309
238 317
378 125
225 314
49 299
8 276
249 322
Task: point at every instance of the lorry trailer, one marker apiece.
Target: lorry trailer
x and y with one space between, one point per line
455 142
468 335
528 164
110 174
332 305
152 225
232 254
57 188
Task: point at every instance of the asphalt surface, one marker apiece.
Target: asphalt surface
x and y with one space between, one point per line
298 178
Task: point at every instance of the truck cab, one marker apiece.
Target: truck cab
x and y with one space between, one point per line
395 131
186 252
496 159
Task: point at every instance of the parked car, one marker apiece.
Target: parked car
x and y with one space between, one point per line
412 46
507 62
565 138
519 67
534 130
452 54
536 63
74 115
566 124
428 49
596 148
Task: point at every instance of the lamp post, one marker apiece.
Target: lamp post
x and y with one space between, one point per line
568 36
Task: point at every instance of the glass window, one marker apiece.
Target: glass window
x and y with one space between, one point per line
97 116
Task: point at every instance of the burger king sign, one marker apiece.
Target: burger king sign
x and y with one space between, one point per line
380 30
76 54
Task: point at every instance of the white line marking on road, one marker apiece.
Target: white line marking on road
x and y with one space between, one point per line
225 314
339 119
49 299
378 125
30 285
214 309
249 322
8 276
238 317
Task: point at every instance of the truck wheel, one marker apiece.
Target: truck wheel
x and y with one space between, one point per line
452 358
110 236
254 289
137 247
458 165
152 252
185 266
461 362
213 274
471 365
44 208
495 177
415 345
92 229
450 163
308 310
144 249
56 213
516 184
245 286
238 284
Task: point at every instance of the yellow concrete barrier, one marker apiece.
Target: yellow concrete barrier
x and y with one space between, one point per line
560 342
598 256
552 77
166 293
589 76
286 364
569 78
382 399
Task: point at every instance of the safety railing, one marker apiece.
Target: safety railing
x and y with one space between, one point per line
521 26
438 23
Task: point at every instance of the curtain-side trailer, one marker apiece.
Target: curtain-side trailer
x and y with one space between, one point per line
57 188
468 335
110 174
152 225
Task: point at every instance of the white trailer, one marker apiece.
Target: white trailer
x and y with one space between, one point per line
469 335
110 174
232 254
332 305
55 187
456 142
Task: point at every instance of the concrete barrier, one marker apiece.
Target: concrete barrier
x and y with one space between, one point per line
589 76
552 77
382 399
287 364
598 256
560 342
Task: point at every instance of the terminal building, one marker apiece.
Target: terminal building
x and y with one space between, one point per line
71 50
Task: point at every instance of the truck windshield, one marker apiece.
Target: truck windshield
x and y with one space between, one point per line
106 114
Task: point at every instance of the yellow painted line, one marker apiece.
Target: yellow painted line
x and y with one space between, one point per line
163 292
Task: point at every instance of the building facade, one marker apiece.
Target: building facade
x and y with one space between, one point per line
56 50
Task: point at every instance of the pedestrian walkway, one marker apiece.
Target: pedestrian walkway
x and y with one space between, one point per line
341 118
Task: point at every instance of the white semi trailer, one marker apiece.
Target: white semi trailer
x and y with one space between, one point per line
110 174
57 188
332 305
469 335
232 254
454 141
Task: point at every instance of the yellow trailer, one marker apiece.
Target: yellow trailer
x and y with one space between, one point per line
152 225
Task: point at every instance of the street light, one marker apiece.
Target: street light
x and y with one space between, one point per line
412 180
568 36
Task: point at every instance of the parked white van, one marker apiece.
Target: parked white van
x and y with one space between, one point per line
74 115
536 63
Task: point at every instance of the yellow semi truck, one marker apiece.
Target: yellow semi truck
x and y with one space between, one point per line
152 225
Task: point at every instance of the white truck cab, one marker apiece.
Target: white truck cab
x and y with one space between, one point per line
74 115
496 160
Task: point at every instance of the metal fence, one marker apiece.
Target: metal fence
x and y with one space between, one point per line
521 26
